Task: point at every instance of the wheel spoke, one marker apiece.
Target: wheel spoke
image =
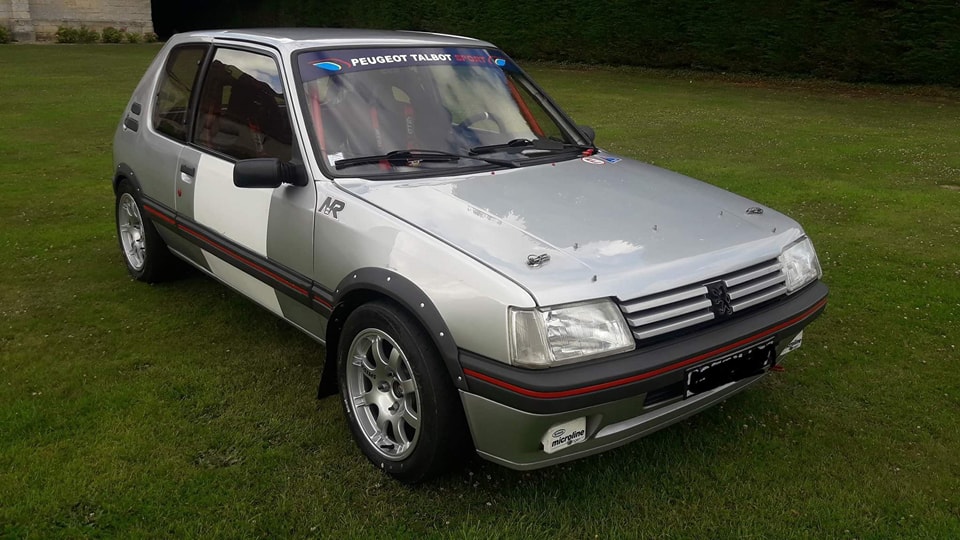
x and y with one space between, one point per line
380 440
411 418
408 386
383 419
395 361
399 432
360 361
363 401
377 348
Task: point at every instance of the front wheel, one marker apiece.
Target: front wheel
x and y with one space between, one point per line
402 408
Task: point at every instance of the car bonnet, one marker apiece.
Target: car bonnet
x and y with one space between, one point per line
607 226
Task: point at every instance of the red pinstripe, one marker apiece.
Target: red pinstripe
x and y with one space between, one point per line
642 376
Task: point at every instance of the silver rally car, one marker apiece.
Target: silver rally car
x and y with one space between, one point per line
479 271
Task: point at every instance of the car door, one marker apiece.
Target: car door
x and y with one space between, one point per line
153 154
257 240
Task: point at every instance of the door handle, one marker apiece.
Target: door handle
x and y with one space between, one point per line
187 173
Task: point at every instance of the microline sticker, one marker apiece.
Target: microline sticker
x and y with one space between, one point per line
611 159
592 160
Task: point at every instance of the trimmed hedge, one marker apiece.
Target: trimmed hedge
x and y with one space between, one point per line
911 41
111 35
66 34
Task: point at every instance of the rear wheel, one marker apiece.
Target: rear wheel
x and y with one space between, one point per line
402 408
144 252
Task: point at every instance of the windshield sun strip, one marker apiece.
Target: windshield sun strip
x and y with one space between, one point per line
332 167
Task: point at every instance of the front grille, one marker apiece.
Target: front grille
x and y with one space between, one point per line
662 313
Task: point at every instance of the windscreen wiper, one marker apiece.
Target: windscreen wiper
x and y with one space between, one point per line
490 148
521 145
415 157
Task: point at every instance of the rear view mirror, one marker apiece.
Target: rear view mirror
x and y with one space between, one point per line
267 173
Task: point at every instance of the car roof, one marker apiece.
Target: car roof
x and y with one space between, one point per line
302 38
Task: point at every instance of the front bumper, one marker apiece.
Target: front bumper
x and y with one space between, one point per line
624 397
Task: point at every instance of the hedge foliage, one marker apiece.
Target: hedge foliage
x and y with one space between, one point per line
111 35
855 40
67 34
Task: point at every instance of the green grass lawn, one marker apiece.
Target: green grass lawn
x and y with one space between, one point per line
130 410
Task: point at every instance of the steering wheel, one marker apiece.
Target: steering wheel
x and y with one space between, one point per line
479 117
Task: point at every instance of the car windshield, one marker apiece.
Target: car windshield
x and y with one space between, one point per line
416 111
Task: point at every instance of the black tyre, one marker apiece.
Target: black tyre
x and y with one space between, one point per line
401 405
144 252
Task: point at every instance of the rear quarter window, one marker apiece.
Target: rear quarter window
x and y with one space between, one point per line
177 81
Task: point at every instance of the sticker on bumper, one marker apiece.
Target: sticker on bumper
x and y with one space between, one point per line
560 436
794 344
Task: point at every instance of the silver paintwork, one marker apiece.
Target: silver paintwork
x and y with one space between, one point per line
640 229
625 230
462 288
383 394
290 238
132 237
512 437
471 298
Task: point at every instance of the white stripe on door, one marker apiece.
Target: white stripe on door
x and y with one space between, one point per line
240 214
244 283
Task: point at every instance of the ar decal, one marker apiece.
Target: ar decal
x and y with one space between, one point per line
331 206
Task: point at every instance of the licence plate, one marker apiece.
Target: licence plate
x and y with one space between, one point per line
739 365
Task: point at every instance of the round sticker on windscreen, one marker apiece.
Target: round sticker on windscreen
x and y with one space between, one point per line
592 160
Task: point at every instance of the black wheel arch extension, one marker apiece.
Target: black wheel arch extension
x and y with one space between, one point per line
366 284
124 172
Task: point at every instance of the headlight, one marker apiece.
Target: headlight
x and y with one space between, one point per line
800 264
549 336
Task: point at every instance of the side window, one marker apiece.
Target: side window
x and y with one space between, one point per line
242 111
173 95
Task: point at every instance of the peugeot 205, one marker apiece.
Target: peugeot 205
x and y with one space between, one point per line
479 272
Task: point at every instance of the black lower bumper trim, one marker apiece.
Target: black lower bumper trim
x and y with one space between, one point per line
641 371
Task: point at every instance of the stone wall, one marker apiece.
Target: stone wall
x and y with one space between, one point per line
38 20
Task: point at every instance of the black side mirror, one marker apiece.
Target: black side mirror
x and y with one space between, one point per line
267 173
588 132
